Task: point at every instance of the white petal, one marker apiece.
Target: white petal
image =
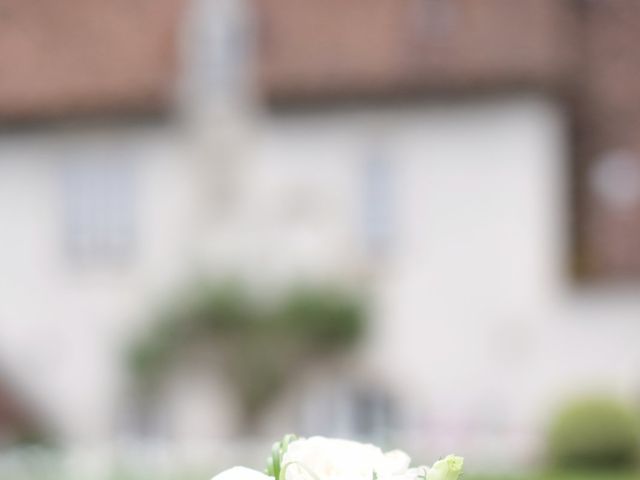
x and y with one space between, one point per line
331 459
241 473
395 462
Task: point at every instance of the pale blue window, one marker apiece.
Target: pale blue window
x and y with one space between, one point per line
98 209
378 205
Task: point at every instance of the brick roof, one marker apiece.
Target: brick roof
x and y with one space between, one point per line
312 49
86 56
95 56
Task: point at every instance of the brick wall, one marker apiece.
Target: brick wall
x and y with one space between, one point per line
608 141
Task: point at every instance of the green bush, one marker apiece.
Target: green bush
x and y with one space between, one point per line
261 342
327 316
594 432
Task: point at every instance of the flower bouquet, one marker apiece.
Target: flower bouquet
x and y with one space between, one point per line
320 458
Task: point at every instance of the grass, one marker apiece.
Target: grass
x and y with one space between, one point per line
45 471
603 475
587 475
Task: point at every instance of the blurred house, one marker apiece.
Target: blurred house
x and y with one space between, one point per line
95 194
497 211
474 164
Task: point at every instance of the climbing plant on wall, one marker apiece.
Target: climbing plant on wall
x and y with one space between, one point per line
260 342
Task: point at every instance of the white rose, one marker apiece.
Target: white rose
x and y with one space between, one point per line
241 473
417 473
319 458
449 468
394 463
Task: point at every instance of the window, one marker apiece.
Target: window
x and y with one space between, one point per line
98 209
373 413
349 409
377 202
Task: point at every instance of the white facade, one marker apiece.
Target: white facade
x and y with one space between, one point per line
453 213
74 282
479 332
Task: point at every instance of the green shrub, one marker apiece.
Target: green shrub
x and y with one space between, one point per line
327 316
595 432
261 343
201 310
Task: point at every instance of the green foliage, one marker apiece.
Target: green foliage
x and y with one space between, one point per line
559 475
262 343
201 311
274 462
328 317
596 432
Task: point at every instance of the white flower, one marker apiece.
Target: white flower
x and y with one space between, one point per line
395 462
319 458
417 473
241 473
449 468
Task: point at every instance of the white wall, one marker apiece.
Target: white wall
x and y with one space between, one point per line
478 327
63 322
